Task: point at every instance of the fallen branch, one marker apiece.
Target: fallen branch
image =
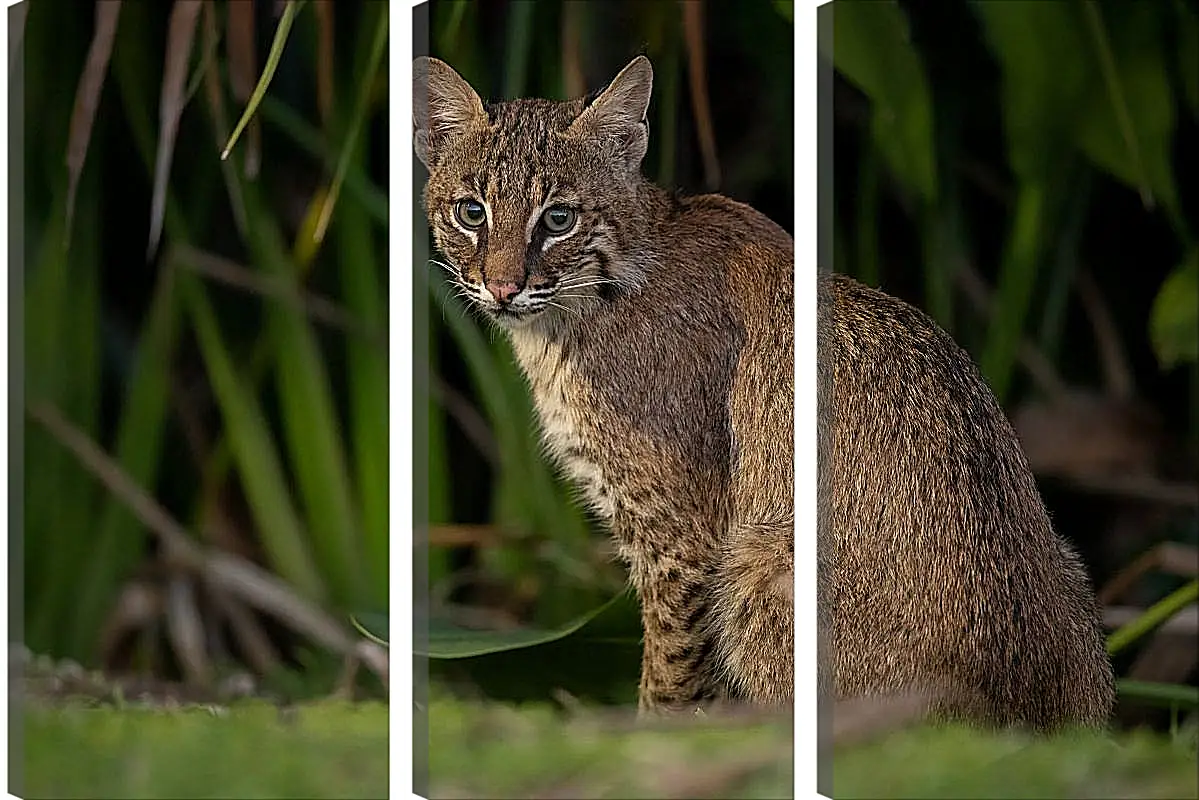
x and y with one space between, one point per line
240 578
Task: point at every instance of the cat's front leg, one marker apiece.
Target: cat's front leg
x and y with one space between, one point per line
677 666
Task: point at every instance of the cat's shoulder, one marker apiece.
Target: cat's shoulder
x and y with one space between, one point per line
717 216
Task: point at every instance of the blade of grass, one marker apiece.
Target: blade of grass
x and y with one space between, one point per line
239 27
693 33
368 385
254 452
305 136
324 59
438 500
363 288
138 449
866 262
216 108
874 50
62 366
518 46
1111 80
132 66
310 427
87 99
310 424
181 32
308 242
1154 616
573 24
668 111
1160 694
1064 266
1014 292
268 71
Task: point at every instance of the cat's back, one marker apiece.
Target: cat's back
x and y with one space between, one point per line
940 566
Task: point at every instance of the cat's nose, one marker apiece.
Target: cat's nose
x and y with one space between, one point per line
503 291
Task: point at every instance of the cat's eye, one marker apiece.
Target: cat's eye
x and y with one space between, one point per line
470 213
558 219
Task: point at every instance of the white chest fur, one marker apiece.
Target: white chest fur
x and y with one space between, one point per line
561 397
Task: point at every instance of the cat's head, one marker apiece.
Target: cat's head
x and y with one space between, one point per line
533 202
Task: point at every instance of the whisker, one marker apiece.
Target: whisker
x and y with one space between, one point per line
447 267
564 308
578 288
586 280
586 270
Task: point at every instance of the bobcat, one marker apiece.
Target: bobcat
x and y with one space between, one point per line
656 333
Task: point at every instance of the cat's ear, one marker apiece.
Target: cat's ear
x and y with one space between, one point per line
443 106
617 115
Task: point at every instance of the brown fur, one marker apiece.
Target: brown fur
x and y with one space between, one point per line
657 338
939 568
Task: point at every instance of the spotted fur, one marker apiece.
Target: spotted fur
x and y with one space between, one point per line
656 339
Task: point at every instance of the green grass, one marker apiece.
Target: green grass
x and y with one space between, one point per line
492 750
957 762
334 750
532 751
495 750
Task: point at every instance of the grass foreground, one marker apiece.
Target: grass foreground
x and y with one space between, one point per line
960 762
335 749
536 751
327 749
503 751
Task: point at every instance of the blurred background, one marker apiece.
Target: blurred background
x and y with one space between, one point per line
210 335
201 446
526 595
1024 171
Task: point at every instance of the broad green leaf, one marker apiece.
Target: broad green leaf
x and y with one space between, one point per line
447 641
1128 128
372 625
1174 321
873 49
1046 69
786 9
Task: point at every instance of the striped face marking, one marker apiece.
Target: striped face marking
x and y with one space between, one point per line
524 216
